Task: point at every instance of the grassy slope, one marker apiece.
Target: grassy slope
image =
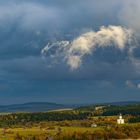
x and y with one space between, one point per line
36 131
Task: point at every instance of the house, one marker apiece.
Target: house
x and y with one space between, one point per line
120 120
93 125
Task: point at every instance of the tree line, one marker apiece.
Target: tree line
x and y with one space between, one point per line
19 118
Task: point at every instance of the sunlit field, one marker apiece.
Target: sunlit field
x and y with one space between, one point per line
71 130
83 123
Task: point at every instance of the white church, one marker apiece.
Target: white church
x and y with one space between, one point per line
120 120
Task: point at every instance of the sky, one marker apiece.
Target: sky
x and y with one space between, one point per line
69 51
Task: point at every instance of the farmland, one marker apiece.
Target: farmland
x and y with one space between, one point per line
83 123
43 131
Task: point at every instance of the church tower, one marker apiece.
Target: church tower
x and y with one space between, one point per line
120 120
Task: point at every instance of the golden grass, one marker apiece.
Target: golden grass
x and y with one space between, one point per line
35 131
10 133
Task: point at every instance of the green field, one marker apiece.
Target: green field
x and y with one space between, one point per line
85 123
54 130
10 134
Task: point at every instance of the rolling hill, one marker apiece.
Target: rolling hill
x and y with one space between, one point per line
32 107
46 106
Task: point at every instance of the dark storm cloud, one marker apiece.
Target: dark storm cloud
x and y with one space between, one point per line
36 68
32 14
129 15
27 26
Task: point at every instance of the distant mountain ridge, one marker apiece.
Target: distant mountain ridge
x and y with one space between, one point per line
32 107
46 106
122 103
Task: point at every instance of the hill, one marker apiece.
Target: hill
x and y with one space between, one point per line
46 106
32 107
110 109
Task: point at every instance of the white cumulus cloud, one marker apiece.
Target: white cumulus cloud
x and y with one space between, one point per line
74 51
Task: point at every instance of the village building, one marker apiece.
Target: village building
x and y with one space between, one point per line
120 120
93 125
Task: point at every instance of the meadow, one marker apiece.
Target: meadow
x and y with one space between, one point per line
85 123
72 130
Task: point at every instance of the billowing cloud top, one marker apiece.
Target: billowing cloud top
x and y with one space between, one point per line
87 43
85 35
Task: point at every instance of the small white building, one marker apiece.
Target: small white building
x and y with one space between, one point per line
93 125
120 120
